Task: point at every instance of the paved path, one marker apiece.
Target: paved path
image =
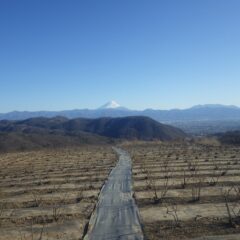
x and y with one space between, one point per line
116 216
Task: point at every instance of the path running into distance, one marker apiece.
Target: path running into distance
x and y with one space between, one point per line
116 216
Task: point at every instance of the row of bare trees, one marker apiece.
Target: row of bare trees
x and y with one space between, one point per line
195 181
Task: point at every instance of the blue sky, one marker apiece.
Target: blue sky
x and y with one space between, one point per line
162 54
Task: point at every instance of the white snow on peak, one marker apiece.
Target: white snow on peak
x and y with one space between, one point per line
111 105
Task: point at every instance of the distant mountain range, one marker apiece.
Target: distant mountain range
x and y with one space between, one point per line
59 131
113 109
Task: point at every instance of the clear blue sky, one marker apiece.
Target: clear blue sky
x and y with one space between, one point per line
57 54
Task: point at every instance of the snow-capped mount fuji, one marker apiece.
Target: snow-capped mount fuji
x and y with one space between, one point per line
111 105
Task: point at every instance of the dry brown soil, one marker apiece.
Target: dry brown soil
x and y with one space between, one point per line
51 193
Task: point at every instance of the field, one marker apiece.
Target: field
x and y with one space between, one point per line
183 190
187 191
51 194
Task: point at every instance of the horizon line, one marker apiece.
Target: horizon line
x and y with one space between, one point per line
99 108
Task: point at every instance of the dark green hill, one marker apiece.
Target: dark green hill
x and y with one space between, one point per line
53 132
140 128
232 138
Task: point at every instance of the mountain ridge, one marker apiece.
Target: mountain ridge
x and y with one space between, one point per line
195 113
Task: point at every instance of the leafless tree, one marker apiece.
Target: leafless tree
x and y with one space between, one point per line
34 235
184 181
37 197
196 185
172 210
226 193
217 172
196 188
79 195
237 191
2 207
57 203
158 195
233 208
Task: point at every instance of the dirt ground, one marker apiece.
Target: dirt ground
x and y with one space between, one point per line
183 191
186 190
51 193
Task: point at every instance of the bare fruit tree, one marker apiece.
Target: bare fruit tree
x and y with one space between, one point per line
184 180
172 210
233 208
2 207
196 183
34 234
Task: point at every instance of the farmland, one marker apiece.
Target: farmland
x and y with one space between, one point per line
50 194
183 190
187 191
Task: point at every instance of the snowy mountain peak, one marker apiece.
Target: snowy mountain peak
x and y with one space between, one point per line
111 105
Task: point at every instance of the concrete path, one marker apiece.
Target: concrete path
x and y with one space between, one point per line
116 216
